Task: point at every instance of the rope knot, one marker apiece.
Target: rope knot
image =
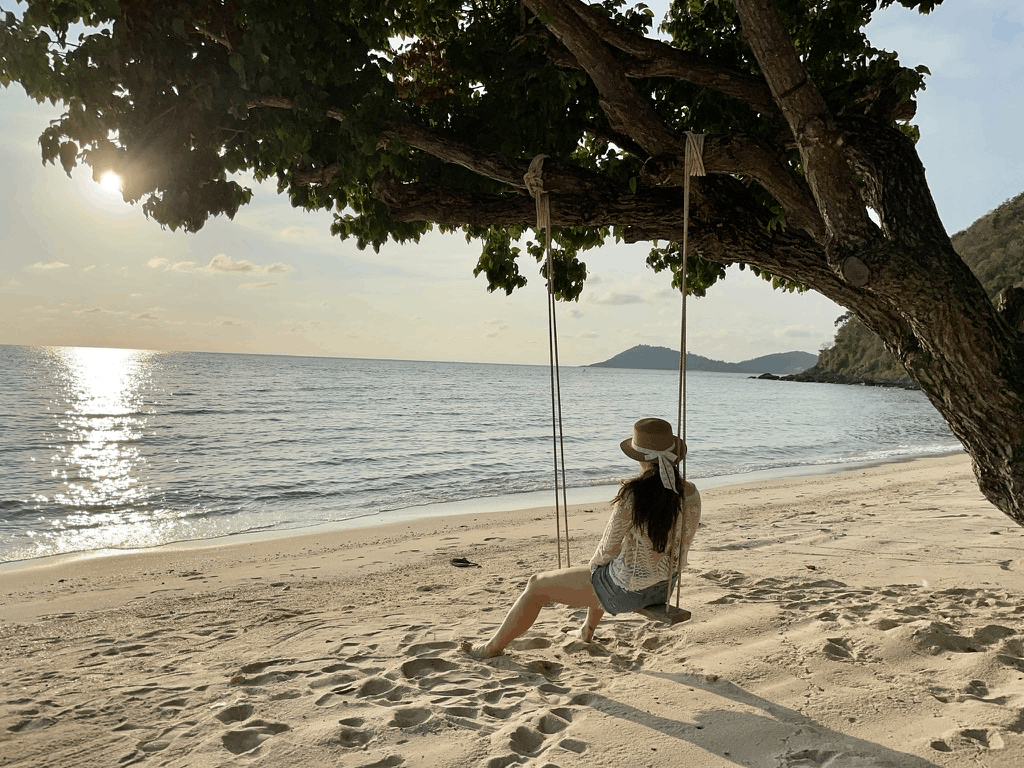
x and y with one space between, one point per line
694 154
534 180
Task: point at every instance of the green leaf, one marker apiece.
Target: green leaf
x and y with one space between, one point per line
237 63
68 156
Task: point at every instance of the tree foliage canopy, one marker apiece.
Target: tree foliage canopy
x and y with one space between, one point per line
403 115
373 109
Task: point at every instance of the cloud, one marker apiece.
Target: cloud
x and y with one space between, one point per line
618 299
222 264
225 264
300 233
226 322
794 332
99 311
178 266
497 326
259 286
49 265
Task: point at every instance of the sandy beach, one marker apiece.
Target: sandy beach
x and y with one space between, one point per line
873 617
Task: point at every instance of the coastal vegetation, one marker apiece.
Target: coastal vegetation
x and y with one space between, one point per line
413 115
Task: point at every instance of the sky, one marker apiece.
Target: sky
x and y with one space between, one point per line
78 267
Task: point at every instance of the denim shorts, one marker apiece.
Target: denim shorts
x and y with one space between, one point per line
614 599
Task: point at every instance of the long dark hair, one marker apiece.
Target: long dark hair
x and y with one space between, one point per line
654 506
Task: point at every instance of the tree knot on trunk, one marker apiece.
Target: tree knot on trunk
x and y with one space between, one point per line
859 263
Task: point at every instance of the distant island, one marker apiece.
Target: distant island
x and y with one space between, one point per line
663 358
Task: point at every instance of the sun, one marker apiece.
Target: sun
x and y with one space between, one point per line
110 183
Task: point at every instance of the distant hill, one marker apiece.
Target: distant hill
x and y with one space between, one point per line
663 358
993 247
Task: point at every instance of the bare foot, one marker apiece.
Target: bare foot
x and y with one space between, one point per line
478 651
584 633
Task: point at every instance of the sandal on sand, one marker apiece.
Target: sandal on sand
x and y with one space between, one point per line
461 562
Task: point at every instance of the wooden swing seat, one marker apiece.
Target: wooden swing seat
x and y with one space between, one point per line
665 614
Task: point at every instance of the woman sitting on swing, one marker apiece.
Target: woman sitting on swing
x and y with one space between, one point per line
631 568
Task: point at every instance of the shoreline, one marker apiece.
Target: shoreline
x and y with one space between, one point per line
599 494
864 618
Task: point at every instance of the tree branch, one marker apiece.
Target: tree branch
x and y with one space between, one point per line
729 155
818 139
315 177
456 207
655 58
741 155
894 181
627 112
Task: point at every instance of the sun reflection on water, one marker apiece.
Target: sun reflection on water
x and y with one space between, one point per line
97 467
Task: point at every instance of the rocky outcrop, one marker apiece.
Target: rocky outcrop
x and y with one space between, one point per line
825 376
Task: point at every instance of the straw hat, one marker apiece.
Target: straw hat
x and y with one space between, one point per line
654 435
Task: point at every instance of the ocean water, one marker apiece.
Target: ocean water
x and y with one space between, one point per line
116 449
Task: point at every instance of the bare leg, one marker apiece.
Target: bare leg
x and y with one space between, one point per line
568 586
590 624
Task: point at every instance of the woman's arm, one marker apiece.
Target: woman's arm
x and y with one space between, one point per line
690 519
614 532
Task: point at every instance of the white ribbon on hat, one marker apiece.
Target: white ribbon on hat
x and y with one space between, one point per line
666 461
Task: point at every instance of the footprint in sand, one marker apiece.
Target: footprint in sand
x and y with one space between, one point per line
409 717
526 741
236 714
573 745
548 669
425 667
969 738
503 761
375 686
551 723
421 649
839 649
500 713
352 735
810 758
31 724
391 761
530 644
530 738
468 713
493 697
247 739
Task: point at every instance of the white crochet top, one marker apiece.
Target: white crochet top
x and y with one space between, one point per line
634 563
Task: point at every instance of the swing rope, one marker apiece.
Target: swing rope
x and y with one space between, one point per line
534 180
693 166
